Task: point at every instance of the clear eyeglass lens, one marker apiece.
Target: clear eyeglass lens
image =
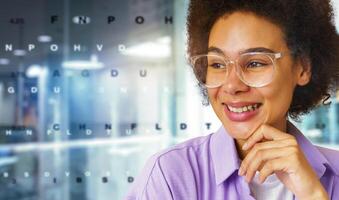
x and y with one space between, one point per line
255 70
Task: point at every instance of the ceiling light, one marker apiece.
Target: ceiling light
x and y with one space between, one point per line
4 61
19 52
44 38
84 64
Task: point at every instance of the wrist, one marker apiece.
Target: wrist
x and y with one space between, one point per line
318 194
322 194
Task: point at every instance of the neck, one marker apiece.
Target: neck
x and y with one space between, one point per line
240 142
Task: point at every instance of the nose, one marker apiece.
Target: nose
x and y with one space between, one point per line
232 84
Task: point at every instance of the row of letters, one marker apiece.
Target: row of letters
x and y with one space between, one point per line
56 47
48 175
83 19
56 129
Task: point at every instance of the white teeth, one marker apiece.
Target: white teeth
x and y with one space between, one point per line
243 109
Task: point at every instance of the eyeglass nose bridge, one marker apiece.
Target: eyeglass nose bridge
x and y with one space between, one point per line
236 68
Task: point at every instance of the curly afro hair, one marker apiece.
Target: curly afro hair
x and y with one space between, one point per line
309 30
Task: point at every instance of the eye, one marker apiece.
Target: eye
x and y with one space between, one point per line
255 64
217 65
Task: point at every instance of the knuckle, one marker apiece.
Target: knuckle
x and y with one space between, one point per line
294 150
293 141
291 137
256 147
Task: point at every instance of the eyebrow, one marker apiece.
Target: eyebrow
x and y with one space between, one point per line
250 50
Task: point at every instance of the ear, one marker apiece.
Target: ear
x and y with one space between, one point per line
304 71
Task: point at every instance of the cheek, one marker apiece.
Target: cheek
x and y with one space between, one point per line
213 93
213 99
278 96
212 96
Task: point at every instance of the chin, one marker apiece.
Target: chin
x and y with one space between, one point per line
241 130
242 127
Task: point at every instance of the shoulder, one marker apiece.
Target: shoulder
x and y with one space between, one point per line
181 157
195 145
332 157
165 168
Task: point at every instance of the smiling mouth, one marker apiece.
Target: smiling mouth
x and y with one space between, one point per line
243 109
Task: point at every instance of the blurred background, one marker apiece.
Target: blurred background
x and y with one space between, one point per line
90 89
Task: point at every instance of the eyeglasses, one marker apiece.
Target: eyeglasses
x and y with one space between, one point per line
255 69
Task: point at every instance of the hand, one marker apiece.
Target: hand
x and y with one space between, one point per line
280 154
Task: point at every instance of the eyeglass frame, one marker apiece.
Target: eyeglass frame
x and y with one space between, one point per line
272 55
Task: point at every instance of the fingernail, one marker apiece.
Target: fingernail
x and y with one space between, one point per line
244 147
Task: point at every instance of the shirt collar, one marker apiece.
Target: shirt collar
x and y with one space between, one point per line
316 159
226 160
224 155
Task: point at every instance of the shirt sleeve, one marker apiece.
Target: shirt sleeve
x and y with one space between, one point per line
151 183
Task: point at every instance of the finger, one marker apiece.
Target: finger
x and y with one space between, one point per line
271 167
264 132
265 155
261 146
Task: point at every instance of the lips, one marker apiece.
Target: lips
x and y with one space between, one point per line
241 111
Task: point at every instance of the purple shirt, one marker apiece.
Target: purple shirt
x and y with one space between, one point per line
206 168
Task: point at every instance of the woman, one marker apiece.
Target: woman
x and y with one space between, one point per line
257 62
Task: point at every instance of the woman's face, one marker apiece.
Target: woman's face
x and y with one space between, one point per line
239 32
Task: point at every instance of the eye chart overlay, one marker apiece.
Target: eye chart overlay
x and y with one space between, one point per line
89 89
